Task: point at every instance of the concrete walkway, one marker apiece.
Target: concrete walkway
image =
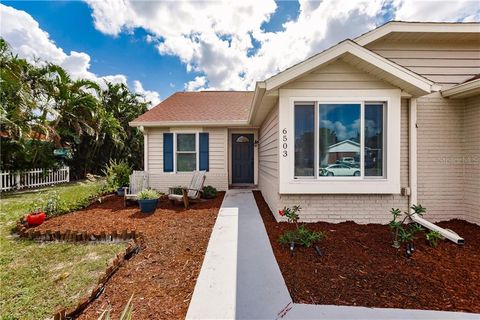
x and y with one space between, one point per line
240 277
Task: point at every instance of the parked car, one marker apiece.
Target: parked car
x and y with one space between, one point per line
340 170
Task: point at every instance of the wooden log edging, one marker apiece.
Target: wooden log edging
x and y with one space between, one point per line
133 248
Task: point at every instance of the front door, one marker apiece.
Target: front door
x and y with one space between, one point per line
242 158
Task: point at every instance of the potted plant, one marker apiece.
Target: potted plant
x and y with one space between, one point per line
148 200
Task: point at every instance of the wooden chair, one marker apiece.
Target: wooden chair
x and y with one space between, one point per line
190 194
138 182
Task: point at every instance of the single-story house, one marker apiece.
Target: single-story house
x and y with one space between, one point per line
410 92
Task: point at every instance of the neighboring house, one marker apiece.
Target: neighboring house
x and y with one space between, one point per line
408 92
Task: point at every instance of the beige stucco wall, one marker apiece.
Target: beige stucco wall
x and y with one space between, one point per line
217 175
471 160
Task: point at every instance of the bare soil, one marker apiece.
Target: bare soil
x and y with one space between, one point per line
163 275
359 267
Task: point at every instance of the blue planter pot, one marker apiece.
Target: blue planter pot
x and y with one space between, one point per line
148 206
120 192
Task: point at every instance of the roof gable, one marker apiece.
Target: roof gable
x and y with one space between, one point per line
361 58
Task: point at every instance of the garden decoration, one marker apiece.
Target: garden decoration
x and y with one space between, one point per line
148 200
301 235
36 218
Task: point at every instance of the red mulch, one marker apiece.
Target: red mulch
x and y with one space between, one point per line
359 267
163 275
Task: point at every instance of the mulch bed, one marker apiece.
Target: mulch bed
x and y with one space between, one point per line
359 267
162 275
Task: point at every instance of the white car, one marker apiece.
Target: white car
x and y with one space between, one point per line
340 170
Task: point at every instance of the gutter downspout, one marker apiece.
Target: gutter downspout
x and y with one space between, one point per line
413 199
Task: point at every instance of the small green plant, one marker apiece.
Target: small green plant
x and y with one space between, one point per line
148 194
433 237
177 190
209 192
405 233
53 204
126 313
301 235
117 174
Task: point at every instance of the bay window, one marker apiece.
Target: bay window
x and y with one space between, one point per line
339 140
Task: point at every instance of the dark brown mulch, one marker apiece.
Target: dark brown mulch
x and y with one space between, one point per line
163 275
359 267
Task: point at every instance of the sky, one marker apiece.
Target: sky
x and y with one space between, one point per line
159 47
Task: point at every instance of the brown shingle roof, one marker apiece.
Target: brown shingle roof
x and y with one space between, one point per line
201 106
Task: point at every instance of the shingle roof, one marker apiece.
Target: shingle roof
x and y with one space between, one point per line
201 106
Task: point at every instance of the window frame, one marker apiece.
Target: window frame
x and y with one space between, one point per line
176 152
316 165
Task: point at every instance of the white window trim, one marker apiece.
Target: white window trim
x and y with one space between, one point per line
175 152
388 184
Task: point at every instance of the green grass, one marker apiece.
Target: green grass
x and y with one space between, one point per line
38 278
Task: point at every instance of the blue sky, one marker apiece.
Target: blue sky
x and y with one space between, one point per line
162 47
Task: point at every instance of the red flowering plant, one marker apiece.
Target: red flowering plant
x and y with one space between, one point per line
301 235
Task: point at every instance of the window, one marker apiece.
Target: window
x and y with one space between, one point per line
186 152
339 140
304 140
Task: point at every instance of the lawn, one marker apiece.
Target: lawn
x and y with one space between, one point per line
37 278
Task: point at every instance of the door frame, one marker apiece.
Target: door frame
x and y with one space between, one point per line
255 153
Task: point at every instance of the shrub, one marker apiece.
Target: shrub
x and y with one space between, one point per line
209 192
405 233
117 174
301 235
53 204
433 237
148 194
177 190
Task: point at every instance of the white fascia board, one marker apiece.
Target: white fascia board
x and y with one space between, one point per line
257 99
463 90
208 123
432 27
351 47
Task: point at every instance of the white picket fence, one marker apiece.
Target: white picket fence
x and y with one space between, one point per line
15 180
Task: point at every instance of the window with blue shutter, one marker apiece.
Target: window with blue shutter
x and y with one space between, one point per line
168 152
203 165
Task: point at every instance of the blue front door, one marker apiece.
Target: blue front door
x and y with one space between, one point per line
242 158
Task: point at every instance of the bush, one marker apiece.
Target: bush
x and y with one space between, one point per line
117 174
177 190
302 236
209 192
433 237
148 194
403 233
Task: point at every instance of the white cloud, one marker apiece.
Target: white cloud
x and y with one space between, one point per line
213 38
29 41
196 84
444 10
150 97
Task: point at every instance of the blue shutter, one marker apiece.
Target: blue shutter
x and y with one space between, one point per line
203 165
168 152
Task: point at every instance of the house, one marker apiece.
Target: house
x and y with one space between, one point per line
405 94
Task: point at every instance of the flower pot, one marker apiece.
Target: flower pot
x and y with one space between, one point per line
36 219
120 192
148 206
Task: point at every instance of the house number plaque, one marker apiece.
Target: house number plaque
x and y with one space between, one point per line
284 144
